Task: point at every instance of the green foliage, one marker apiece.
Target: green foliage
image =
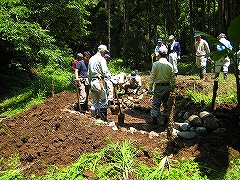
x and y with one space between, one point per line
234 172
118 161
14 171
187 170
116 66
233 33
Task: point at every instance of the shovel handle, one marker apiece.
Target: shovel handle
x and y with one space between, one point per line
77 91
118 103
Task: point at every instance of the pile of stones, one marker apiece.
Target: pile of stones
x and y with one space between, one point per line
195 125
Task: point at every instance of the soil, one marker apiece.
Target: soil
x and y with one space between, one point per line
54 133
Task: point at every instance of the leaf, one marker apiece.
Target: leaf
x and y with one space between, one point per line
234 32
216 55
212 40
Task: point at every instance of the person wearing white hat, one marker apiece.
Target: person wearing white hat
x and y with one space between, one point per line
163 77
202 49
224 62
97 73
174 52
160 44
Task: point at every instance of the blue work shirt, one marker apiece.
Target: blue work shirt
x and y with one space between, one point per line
82 69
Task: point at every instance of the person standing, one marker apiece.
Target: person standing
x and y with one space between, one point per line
224 62
202 49
174 52
97 74
238 56
133 81
163 77
74 63
160 44
81 75
111 84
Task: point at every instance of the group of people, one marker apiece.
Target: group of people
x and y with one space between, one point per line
164 69
93 77
173 53
202 51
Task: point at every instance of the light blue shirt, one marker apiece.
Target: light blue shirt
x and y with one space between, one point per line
226 43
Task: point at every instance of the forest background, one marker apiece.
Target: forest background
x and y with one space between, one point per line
41 37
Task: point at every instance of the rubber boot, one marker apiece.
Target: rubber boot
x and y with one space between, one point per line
103 114
225 75
84 107
202 72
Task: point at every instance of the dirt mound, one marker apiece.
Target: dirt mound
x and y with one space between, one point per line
53 133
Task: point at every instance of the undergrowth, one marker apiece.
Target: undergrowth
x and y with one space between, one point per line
120 161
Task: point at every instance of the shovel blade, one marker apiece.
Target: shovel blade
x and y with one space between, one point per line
121 117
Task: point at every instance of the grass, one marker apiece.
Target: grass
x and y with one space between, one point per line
120 161
202 91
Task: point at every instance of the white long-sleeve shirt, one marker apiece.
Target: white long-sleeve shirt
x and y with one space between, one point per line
202 48
98 66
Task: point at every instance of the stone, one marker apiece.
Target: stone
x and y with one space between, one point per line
211 123
153 134
175 132
199 130
180 114
112 124
114 128
132 130
205 114
181 126
186 115
195 121
187 134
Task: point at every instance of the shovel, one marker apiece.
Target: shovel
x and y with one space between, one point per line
78 96
121 116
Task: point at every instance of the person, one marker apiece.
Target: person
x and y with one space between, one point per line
163 78
121 79
111 84
74 63
202 49
160 44
81 76
133 81
224 62
238 56
174 52
97 74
